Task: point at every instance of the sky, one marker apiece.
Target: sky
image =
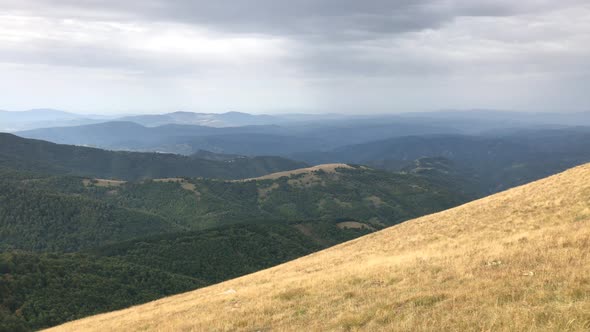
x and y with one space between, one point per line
272 56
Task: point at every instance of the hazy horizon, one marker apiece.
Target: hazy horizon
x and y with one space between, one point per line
115 113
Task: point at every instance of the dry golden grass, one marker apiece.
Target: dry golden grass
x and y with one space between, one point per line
515 261
264 191
377 201
103 182
328 168
353 225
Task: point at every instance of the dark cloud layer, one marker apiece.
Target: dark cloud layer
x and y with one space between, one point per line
332 18
311 51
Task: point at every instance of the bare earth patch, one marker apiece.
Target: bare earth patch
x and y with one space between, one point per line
307 230
103 183
264 191
375 200
354 225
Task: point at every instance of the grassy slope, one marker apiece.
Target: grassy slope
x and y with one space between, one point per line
518 260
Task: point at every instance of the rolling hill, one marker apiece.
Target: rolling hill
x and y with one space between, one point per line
313 199
323 194
518 260
40 156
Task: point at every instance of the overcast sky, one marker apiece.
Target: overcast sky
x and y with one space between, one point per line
282 56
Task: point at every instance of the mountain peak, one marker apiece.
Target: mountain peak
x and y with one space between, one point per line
236 113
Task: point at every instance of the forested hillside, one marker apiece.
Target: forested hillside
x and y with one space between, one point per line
47 221
345 193
41 290
73 246
218 254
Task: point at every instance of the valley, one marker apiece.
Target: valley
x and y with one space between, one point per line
513 261
178 233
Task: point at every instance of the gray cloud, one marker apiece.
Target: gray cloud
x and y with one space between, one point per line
332 18
321 49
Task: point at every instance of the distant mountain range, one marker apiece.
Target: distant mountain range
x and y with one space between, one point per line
245 140
44 118
467 122
126 135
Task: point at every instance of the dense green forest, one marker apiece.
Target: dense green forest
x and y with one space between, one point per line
156 206
40 220
41 290
217 254
355 194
